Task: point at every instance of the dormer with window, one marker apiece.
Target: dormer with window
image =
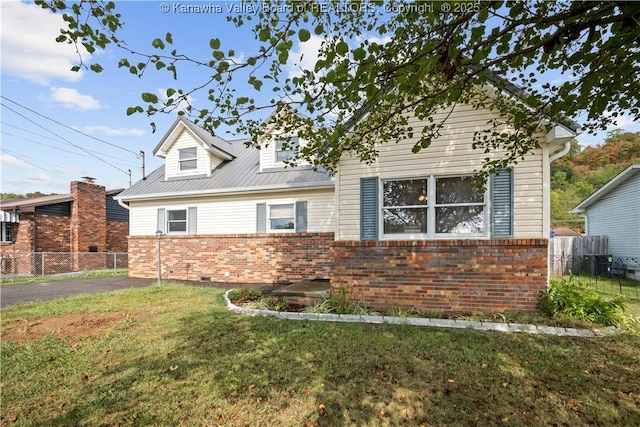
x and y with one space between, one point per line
189 151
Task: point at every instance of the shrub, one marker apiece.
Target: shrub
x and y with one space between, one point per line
566 297
337 303
244 295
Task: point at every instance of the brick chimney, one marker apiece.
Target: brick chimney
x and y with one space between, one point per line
88 217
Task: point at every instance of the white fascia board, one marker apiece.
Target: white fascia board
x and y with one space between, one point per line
232 191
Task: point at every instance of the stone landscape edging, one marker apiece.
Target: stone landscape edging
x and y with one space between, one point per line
423 321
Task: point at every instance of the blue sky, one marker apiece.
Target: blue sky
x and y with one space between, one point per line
58 126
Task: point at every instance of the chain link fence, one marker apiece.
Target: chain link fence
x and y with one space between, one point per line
48 263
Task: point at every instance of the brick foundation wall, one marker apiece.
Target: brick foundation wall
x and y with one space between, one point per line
442 275
234 258
117 232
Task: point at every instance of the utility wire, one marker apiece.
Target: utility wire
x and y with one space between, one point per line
69 127
67 141
32 164
61 149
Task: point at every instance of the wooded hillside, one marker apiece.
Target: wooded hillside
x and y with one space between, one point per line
584 170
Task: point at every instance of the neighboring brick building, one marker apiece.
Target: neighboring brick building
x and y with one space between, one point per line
87 220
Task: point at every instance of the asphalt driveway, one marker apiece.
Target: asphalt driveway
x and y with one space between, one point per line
19 293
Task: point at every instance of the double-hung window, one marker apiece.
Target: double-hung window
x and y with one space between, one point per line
5 232
282 217
188 158
177 221
433 207
287 149
459 206
404 209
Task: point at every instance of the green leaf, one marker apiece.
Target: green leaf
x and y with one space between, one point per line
158 44
61 38
149 97
214 44
359 54
169 38
318 30
96 68
304 35
342 47
170 92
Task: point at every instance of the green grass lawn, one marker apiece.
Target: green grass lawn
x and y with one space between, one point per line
173 355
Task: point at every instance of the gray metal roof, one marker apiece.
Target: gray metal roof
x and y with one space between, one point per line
241 175
209 140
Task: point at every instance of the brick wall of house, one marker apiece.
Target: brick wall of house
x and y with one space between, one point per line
442 275
117 232
52 233
233 258
12 259
88 217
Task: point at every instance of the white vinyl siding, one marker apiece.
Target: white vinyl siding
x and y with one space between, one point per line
269 155
452 154
206 161
235 214
617 215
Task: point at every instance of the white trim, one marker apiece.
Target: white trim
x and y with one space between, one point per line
431 207
231 191
280 230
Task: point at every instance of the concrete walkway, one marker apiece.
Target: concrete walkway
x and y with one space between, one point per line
421 321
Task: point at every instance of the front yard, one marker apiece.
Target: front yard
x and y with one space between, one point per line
173 355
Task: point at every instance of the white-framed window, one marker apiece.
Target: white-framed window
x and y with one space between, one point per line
433 207
6 232
281 217
177 221
287 148
188 158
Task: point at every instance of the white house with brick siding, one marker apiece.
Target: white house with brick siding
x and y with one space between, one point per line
406 230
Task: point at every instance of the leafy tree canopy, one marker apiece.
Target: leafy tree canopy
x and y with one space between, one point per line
378 61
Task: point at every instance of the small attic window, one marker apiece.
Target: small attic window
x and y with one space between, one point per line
287 148
187 158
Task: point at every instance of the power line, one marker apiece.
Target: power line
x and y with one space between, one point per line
69 127
32 164
22 138
65 140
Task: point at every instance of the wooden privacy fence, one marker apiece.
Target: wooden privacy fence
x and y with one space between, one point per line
567 254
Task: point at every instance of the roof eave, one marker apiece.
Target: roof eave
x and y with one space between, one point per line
230 191
599 193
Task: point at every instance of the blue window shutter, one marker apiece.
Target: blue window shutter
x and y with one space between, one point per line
261 218
301 216
161 220
193 220
369 208
502 204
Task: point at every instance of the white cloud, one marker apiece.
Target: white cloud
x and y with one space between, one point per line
7 160
72 99
112 131
29 49
305 56
65 169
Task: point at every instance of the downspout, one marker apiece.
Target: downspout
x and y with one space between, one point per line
123 204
